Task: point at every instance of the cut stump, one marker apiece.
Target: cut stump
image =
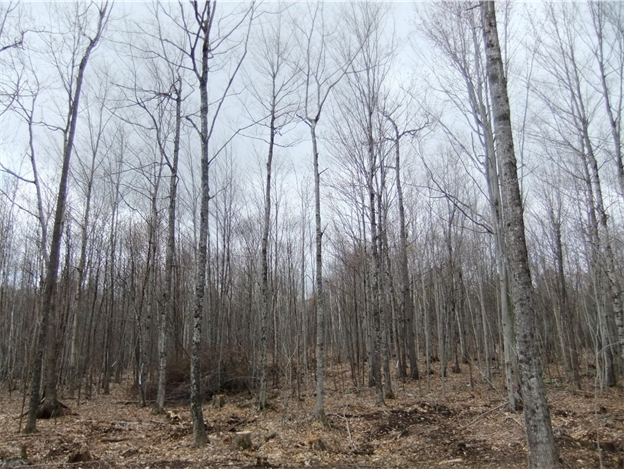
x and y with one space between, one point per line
242 441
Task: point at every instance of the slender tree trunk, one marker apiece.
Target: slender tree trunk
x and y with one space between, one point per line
605 252
486 342
302 336
506 312
614 112
168 306
77 304
47 332
200 438
565 322
440 320
385 285
425 310
265 293
144 312
375 287
110 270
406 302
319 304
542 452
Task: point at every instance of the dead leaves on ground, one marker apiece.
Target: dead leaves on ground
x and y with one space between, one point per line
468 429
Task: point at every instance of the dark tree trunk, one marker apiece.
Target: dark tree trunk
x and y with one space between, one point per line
46 336
167 309
265 293
406 302
376 269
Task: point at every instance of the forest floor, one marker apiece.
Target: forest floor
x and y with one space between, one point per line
460 427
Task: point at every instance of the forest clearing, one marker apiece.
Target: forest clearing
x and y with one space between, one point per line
470 428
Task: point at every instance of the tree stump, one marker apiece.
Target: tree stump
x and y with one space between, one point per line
80 456
242 441
49 409
218 401
318 445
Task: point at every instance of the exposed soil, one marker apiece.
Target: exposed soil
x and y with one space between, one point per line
418 429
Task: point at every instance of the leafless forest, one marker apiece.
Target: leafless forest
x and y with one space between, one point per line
208 199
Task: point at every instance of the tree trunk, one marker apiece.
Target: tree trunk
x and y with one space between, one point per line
564 310
506 313
486 342
168 306
542 452
47 332
77 304
319 304
200 438
427 332
605 251
265 293
385 285
406 302
614 114
375 287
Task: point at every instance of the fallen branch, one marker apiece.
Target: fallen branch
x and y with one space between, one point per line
517 421
95 461
268 437
344 417
484 414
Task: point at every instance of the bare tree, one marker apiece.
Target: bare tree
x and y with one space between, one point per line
370 70
454 29
12 35
541 443
168 305
204 39
608 23
46 334
274 89
322 71
406 300
97 121
576 131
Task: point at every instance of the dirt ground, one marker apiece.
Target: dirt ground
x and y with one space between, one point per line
458 427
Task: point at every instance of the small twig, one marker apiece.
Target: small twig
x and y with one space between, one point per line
349 433
484 414
95 461
268 437
344 417
515 420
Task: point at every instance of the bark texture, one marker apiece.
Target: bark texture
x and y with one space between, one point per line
542 452
265 300
319 411
407 305
204 18
168 306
